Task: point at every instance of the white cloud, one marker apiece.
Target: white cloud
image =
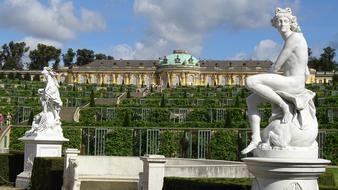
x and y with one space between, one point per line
122 51
33 42
56 22
266 50
185 24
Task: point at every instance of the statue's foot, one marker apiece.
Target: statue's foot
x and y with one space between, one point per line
253 145
287 115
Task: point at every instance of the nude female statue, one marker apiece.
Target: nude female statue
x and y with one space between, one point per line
293 61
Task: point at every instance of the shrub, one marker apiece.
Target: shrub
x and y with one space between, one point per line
10 166
119 142
331 147
223 145
16 133
173 183
170 143
47 173
74 134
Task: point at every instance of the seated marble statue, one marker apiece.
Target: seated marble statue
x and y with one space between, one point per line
49 118
293 122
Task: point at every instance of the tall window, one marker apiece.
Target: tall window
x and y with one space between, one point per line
191 80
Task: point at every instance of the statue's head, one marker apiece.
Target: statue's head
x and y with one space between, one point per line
48 71
282 14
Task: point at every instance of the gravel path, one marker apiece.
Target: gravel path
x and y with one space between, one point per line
9 188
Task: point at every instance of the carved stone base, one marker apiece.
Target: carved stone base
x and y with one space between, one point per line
290 152
38 146
285 174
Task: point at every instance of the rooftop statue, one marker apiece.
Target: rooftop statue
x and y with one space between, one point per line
49 119
293 123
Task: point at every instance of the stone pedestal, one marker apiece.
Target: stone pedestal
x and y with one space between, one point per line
285 173
153 172
38 146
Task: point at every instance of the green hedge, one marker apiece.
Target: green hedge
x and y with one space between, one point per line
119 142
74 134
16 133
331 147
10 166
47 173
223 145
174 183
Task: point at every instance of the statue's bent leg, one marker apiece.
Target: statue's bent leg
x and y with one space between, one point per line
265 85
253 101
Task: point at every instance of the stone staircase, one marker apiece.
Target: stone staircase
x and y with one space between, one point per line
4 138
67 113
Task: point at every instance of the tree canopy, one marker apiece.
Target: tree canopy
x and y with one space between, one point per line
68 57
325 62
84 56
11 55
43 55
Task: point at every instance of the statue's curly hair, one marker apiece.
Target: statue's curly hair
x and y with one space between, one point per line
288 14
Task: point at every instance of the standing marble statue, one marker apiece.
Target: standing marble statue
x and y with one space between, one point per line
48 121
293 122
45 138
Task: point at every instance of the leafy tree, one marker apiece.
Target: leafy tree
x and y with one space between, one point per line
43 55
327 59
92 99
325 62
110 57
11 55
68 57
84 56
100 56
162 104
128 93
126 119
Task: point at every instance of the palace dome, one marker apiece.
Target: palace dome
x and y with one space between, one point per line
179 58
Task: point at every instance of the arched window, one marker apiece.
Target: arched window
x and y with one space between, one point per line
83 79
209 81
134 80
177 80
94 79
224 80
120 79
108 79
238 80
63 78
191 80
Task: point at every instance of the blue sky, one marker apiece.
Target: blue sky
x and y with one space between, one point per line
148 29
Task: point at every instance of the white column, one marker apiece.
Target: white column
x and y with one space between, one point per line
153 172
69 180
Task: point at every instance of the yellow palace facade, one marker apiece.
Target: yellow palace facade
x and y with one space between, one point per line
178 68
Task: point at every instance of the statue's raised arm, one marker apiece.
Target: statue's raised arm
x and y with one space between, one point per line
292 106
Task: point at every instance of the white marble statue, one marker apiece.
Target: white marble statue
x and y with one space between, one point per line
293 122
49 119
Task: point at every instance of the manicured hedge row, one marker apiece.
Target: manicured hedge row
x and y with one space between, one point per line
47 173
173 183
10 166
